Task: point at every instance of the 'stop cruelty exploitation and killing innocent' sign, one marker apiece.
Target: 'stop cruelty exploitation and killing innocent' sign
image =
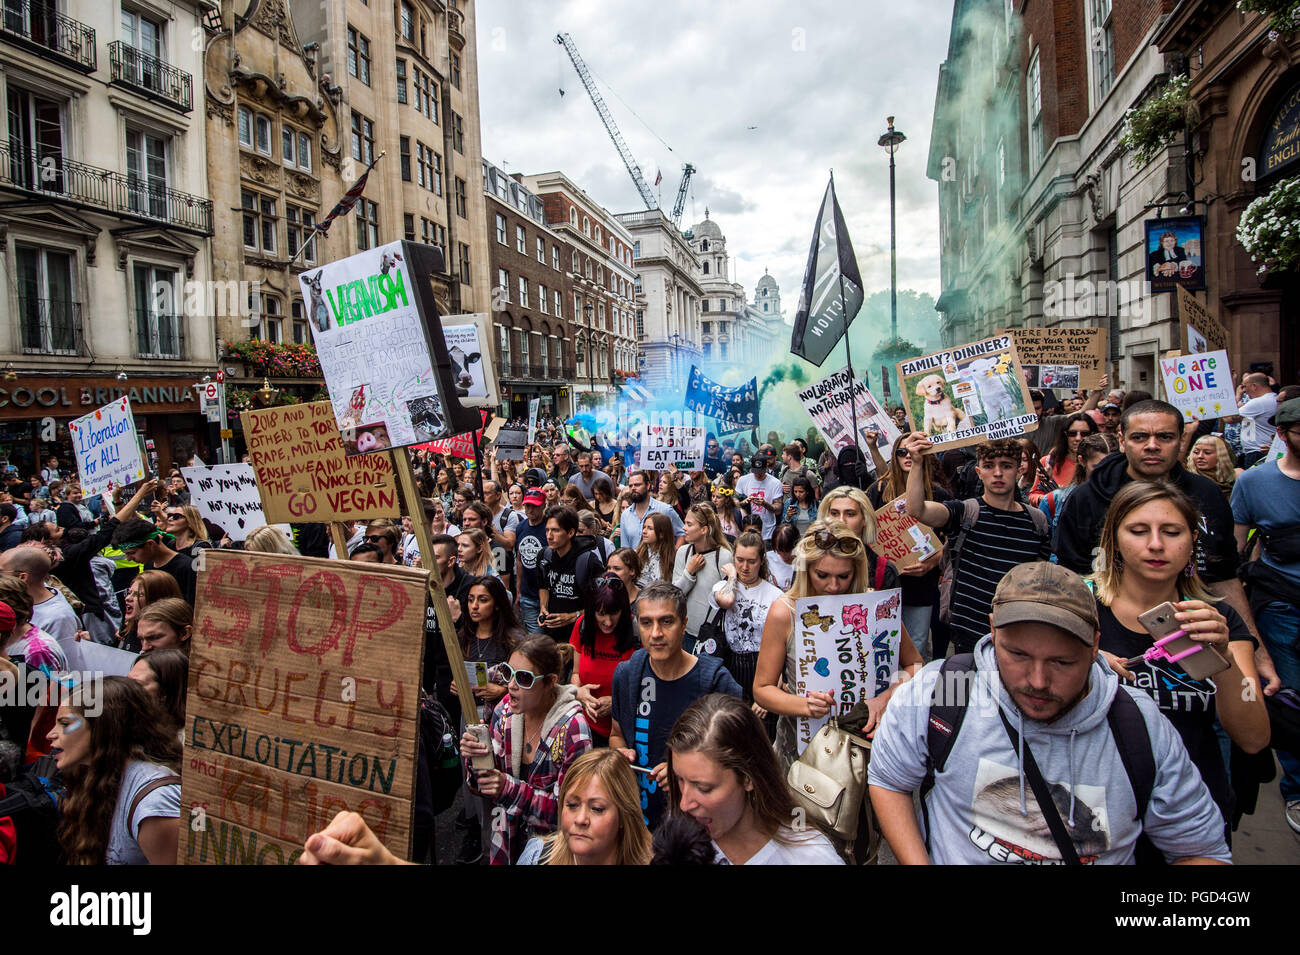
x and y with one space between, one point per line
303 473
107 447
303 701
968 394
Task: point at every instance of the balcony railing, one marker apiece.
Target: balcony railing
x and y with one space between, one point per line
456 27
536 370
50 326
38 25
154 78
51 175
159 334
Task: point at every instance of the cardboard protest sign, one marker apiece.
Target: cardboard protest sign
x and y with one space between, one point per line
968 394
467 337
680 445
303 474
900 538
107 447
392 380
1200 386
1061 357
847 645
227 495
827 403
534 405
1202 332
303 701
734 406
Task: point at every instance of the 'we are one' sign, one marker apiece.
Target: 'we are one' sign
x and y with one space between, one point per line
1200 386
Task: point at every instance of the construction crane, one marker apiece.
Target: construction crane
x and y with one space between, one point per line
680 204
633 169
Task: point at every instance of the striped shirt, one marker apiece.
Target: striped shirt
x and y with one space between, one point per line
998 541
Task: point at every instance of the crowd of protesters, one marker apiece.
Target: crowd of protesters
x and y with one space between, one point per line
634 632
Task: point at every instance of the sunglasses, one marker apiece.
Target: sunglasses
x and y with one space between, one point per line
524 679
844 546
174 517
1078 434
375 538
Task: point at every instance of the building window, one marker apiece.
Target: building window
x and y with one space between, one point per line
523 349
464 263
541 250
600 275
640 324
542 303
47 309
573 216
559 305
259 222
245 127
401 81
269 328
523 291
363 138
503 283
157 328
521 240
457 133
437 173
404 150
367 224
407 22
460 199
426 102
358 56
541 350
1102 42
455 70
503 336
555 257
501 228
300 334
295 148
408 226
300 223
708 328
424 158
146 169
586 226
636 250
637 284
706 268
1034 96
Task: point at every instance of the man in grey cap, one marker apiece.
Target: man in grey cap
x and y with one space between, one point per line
1035 711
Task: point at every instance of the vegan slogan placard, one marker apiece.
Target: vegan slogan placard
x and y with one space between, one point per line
1200 386
847 645
902 539
107 447
1061 357
226 495
967 395
679 445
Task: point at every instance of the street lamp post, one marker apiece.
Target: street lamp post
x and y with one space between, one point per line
591 348
891 140
676 339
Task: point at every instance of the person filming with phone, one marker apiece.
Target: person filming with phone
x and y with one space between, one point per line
1146 573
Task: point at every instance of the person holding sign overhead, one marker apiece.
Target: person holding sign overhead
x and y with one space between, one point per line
831 559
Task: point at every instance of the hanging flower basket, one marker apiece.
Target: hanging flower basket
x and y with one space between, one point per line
1269 229
1284 15
276 361
1158 121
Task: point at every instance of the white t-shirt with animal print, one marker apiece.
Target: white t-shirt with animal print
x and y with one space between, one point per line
743 623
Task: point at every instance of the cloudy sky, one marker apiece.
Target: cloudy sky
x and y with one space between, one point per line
816 79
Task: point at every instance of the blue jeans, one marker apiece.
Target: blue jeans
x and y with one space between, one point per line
917 622
1279 625
528 610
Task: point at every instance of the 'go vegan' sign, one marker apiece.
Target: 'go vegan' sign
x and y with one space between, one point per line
1200 386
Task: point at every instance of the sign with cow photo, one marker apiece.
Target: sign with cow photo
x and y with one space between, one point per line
968 394
468 338
386 361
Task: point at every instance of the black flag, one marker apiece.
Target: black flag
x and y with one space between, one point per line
832 285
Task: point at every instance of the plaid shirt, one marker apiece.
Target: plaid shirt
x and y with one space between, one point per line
532 803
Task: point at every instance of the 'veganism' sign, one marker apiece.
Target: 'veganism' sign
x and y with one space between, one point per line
303 701
303 474
107 447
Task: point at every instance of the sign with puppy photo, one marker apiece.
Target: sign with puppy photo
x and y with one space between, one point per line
968 394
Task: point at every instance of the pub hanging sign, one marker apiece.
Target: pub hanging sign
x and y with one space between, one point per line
1282 138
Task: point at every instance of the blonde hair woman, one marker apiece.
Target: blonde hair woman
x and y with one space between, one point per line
600 817
269 540
830 560
474 554
850 506
1212 458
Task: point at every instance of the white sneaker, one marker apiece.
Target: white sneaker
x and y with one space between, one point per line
1293 815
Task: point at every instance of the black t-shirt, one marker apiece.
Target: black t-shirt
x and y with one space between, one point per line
567 581
182 568
1187 703
920 591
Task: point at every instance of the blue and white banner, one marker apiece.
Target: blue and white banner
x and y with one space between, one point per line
737 406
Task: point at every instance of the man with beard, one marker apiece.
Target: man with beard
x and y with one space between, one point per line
640 505
1065 763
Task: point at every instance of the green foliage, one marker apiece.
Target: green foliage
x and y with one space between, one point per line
1284 15
888 354
277 361
1269 229
1158 121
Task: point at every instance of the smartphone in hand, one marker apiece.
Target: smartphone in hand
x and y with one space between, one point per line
1160 622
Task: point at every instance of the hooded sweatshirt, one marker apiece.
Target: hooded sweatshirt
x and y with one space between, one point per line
530 795
1078 529
982 808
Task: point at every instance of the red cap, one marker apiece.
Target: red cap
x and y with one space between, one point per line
535 497
7 619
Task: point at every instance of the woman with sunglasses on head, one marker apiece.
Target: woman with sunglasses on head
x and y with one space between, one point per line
1059 465
600 817
830 560
920 581
538 730
723 774
121 767
602 639
1147 556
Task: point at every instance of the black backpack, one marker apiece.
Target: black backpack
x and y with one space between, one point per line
1127 727
30 802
